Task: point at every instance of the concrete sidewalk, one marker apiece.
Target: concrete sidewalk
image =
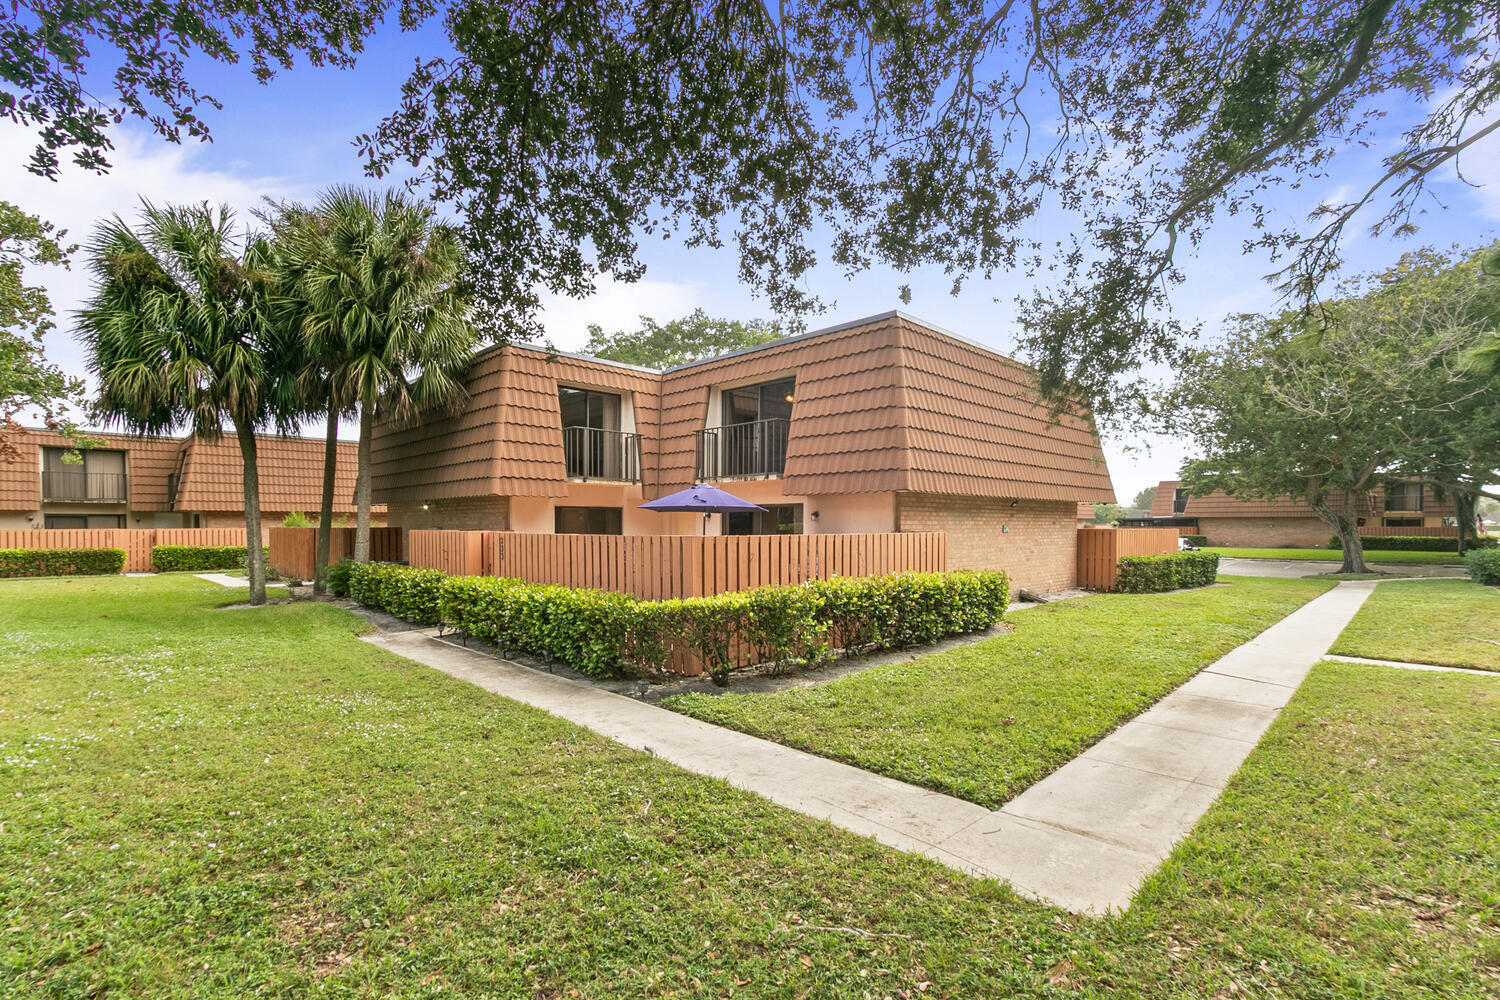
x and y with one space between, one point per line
1082 838
225 580
1406 665
1296 568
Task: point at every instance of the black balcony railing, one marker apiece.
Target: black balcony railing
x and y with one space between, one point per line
756 448
594 453
102 487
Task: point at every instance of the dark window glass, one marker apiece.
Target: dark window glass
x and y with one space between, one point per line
783 519
587 521
1179 502
1403 496
1402 522
99 476
66 521
766 401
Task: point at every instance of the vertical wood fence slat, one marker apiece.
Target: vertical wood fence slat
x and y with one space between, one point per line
650 567
1101 548
137 542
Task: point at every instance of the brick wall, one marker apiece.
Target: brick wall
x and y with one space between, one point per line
488 513
1035 542
1265 533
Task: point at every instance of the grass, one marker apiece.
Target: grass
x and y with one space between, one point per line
1334 555
206 804
1453 623
984 721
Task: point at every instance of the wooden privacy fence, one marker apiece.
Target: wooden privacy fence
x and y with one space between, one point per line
1100 549
294 550
137 542
1436 531
655 567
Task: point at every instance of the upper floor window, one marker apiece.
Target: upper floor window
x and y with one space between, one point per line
1403 496
1179 502
589 408
100 476
767 401
594 445
752 434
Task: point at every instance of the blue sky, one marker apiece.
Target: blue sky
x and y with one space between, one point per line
293 137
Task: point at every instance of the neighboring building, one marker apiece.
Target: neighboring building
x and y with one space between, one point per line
131 481
1253 523
882 425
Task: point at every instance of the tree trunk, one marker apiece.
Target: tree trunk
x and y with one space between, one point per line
362 485
255 556
325 512
1463 506
1346 524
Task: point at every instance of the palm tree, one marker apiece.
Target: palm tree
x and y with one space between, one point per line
387 326
310 391
178 333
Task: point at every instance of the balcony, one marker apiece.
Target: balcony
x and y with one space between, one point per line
595 453
755 449
94 487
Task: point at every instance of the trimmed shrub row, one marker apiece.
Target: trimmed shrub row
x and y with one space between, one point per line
603 634
60 562
1414 543
197 558
1198 540
1483 566
1173 571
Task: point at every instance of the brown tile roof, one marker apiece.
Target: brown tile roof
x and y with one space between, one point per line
291 473
507 439
1221 504
883 404
976 427
148 461
848 430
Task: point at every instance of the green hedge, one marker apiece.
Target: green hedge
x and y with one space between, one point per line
1414 543
1174 571
1483 566
605 634
197 558
1198 540
60 562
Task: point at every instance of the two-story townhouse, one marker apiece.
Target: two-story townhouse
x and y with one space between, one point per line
886 424
1277 523
135 481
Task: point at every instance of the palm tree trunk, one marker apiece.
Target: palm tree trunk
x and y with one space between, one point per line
325 512
362 484
255 556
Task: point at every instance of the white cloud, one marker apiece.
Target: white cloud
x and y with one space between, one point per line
144 167
616 305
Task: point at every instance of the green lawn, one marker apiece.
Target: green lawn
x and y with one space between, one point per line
1334 555
984 721
1453 623
244 803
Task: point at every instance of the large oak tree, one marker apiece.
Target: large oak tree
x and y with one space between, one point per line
1378 384
915 134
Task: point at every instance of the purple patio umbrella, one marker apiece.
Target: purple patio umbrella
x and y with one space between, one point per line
701 499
